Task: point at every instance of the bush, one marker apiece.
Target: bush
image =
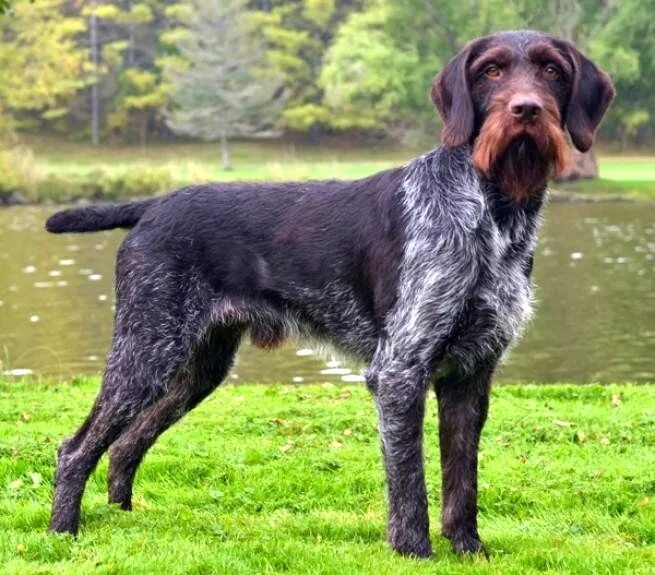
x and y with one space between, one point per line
133 183
21 180
18 173
105 187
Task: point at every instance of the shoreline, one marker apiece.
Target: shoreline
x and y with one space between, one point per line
556 194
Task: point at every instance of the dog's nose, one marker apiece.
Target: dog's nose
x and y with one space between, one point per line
525 109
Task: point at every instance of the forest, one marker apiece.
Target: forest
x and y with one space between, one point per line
143 71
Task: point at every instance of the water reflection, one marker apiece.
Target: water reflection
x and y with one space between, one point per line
595 320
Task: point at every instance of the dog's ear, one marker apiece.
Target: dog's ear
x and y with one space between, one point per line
591 95
452 97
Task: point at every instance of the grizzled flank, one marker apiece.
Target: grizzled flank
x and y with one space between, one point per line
422 271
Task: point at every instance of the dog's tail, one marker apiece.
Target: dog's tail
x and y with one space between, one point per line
98 217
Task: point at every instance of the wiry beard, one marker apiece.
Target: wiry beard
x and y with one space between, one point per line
520 158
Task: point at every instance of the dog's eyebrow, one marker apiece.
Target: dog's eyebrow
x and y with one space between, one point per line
501 55
542 53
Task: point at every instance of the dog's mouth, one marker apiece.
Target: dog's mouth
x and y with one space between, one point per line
521 156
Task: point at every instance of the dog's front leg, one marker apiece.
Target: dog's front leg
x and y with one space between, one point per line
399 391
463 406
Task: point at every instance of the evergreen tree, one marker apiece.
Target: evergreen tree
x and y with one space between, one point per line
221 90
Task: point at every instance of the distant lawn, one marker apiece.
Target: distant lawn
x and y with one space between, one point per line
193 162
628 169
288 479
68 166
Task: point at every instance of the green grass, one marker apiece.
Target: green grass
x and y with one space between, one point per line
195 162
288 479
621 177
626 177
628 168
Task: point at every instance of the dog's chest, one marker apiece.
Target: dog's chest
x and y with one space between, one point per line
500 301
504 281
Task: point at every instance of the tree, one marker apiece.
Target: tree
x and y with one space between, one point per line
41 67
220 88
384 57
297 34
624 47
140 89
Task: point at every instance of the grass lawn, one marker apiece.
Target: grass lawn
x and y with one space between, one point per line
630 176
195 162
285 479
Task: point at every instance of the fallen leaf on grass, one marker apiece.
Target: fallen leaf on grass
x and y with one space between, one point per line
336 444
141 503
286 447
561 423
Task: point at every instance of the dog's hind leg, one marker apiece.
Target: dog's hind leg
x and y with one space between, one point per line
122 397
156 328
463 407
208 366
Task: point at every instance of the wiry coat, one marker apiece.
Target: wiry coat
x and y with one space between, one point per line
422 271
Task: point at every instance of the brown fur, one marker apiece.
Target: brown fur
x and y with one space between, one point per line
521 157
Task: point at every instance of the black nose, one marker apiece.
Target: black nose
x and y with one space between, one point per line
525 109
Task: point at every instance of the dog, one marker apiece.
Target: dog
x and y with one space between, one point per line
422 271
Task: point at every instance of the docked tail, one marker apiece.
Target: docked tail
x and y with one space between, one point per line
98 217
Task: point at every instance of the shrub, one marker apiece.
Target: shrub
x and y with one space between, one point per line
106 187
18 173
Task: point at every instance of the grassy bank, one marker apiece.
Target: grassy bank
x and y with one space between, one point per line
66 171
621 177
288 480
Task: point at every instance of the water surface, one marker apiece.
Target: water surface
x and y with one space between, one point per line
595 320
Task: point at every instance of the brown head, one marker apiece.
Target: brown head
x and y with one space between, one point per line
511 96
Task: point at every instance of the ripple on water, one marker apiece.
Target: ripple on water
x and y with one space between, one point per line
18 372
593 268
336 371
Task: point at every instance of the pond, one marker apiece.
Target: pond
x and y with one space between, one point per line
595 318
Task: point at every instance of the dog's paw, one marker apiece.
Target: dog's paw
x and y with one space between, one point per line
64 524
411 546
467 542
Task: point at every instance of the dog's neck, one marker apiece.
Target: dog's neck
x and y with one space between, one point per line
511 187
520 172
448 175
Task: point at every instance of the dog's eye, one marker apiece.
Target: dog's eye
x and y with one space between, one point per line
492 71
551 72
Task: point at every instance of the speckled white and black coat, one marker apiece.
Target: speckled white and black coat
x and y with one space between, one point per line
464 288
421 271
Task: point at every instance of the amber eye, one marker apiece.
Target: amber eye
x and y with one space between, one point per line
492 71
551 72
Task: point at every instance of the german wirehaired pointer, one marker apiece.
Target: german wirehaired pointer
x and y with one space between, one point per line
423 271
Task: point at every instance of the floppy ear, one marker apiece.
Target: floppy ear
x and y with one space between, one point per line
591 95
452 97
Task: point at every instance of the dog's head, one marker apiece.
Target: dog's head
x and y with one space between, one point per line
511 95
